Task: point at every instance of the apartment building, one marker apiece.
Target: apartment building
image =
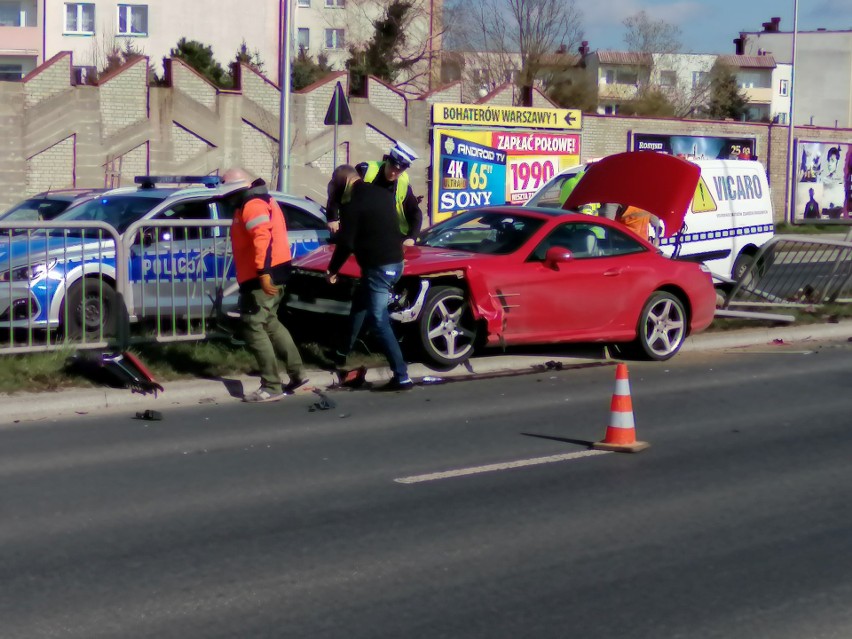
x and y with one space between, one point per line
330 27
823 75
621 77
20 38
32 31
93 28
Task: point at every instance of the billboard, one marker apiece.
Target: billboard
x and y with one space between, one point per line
823 181
699 147
476 167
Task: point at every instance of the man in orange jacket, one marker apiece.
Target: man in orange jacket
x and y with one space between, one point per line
262 260
639 221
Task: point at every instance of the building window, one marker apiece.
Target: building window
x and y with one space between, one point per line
627 77
84 75
611 109
12 15
334 38
668 78
11 71
335 3
133 19
304 38
784 88
609 77
305 3
699 78
79 17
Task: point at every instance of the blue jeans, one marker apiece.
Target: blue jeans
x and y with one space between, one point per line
371 300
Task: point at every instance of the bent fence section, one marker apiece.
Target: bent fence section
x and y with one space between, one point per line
795 272
84 285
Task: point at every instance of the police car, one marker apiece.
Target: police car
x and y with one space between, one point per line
48 204
67 278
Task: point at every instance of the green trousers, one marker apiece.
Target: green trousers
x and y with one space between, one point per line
268 339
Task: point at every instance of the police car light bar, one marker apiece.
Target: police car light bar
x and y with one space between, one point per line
150 181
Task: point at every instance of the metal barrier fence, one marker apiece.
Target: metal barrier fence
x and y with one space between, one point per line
176 276
85 284
56 279
793 272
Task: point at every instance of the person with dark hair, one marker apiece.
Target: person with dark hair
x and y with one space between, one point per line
812 207
369 229
832 174
338 195
262 261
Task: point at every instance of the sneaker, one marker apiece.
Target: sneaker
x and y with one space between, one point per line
295 383
263 395
396 384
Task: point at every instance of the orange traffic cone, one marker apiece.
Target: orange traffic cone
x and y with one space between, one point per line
621 432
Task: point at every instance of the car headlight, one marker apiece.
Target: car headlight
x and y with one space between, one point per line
27 273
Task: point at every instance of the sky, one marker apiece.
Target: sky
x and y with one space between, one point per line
708 26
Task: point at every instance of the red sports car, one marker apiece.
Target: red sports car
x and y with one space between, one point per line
508 275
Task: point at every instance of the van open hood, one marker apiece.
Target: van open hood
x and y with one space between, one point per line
661 184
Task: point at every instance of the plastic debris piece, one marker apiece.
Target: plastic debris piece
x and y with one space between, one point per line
429 379
150 415
778 340
354 378
116 370
324 403
553 365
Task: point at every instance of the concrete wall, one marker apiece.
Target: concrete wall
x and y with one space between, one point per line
54 134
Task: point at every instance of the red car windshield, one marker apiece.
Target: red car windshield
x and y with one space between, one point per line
488 233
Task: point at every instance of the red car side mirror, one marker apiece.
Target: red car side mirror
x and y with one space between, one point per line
557 255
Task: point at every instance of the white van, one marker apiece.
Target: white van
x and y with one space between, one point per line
729 219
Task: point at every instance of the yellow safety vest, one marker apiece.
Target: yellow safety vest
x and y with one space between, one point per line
372 173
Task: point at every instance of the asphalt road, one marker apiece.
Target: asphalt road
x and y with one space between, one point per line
274 521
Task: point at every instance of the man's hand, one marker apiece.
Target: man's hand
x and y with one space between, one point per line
266 284
331 278
334 226
408 242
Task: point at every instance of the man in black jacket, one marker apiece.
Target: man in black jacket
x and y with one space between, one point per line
390 174
369 228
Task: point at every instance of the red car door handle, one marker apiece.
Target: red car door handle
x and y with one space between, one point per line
612 272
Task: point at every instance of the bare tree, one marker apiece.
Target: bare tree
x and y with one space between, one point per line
416 52
515 40
671 82
644 35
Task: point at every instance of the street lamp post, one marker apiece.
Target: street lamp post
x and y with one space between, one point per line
284 110
791 182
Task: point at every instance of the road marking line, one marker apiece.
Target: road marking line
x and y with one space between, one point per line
476 470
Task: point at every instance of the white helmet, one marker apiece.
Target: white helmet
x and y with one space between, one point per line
402 155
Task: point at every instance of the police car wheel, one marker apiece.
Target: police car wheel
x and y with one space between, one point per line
91 310
662 327
448 331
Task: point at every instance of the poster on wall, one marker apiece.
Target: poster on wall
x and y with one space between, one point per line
476 167
699 147
823 181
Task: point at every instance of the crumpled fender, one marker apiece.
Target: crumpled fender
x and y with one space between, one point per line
483 302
